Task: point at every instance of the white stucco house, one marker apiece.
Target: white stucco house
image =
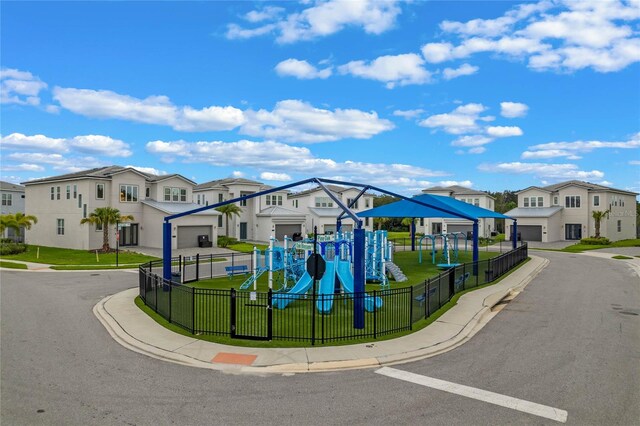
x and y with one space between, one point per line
61 202
260 217
12 202
321 211
477 198
563 211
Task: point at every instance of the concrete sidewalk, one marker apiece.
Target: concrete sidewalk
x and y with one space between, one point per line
132 328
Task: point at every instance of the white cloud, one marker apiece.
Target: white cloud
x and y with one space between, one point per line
560 36
549 153
20 87
513 109
394 70
150 170
477 150
151 110
464 69
572 149
297 121
270 155
321 20
543 170
408 114
301 70
504 131
634 162
460 120
465 183
237 174
281 177
24 167
472 141
265 14
90 144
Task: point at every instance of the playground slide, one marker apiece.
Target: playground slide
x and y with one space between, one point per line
281 300
327 285
346 279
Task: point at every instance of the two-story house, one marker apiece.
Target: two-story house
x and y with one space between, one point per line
564 211
482 199
259 218
61 202
320 210
12 196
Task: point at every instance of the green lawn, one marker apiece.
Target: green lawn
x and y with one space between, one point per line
246 247
578 248
62 256
12 265
621 257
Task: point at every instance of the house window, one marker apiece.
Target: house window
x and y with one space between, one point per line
367 203
147 192
100 191
274 200
533 202
324 202
75 191
366 221
53 193
57 192
596 201
220 198
60 226
80 201
540 203
68 192
526 201
572 201
476 202
243 203
128 193
619 225
219 221
268 200
183 195
167 193
84 210
7 199
198 199
421 221
355 204
175 194
98 227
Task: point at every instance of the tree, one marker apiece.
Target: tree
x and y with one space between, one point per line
105 216
598 216
17 221
228 210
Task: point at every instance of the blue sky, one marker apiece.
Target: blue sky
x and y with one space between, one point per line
403 95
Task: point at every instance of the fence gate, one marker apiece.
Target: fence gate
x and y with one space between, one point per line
251 315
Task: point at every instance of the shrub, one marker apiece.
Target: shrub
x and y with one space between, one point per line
601 241
224 241
498 238
7 248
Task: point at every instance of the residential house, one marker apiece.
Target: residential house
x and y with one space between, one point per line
564 211
321 211
445 225
61 202
12 196
260 217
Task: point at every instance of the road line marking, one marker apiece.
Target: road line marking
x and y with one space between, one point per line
479 394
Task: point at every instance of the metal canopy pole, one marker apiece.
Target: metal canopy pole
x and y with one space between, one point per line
514 238
166 250
475 247
358 276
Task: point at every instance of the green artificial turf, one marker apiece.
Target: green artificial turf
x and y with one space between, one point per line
621 257
62 256
12 265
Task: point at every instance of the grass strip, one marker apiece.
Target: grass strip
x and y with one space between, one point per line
12 265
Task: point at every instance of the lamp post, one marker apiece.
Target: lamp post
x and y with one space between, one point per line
117 240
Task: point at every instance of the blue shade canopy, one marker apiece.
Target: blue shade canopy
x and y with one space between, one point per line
431 206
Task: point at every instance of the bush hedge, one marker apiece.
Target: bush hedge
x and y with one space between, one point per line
224 241
7 248
600 241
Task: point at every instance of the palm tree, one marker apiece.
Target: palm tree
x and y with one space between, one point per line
228 210
105 216
17 221
597 217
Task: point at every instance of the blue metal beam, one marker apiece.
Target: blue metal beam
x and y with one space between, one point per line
339 202
358 278
355 200
475 241
166 250
514 238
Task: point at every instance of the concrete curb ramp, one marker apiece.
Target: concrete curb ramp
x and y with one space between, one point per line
136 331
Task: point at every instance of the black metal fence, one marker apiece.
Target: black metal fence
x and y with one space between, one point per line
254 315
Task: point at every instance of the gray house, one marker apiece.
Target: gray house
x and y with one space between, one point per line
12 196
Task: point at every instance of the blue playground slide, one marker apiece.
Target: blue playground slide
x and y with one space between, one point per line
346 279
281 300
327 285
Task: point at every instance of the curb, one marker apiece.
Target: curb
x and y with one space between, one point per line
473 326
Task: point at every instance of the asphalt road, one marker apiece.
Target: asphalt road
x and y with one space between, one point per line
570 341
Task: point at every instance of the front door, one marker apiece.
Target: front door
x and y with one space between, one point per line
573 231
129 235
243 230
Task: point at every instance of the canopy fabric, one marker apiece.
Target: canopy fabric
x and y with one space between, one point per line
451 208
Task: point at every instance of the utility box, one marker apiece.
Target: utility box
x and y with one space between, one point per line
203 241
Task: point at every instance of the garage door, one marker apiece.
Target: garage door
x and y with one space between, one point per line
530 232
188 235
467 229
288 230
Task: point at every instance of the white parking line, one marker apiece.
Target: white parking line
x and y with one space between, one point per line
479 394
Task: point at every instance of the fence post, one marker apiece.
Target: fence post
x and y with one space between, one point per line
270 314
411 308
170 291
428 298
375 316
193 310
156 288
232 312
197 266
